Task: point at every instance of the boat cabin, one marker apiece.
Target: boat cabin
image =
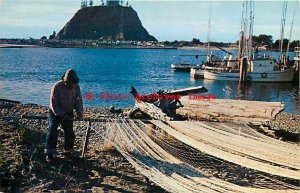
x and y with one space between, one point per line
261 65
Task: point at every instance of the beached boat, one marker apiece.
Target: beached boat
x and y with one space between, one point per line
189 90
163 104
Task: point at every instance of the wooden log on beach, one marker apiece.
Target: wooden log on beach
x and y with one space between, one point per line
229 110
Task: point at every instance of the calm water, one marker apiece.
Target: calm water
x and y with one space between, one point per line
28 74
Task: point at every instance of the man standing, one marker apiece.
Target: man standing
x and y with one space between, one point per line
64 98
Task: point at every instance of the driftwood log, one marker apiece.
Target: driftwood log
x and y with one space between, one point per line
229 110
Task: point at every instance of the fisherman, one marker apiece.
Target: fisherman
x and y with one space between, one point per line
65 96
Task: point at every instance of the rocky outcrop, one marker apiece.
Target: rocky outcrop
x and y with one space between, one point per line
105 23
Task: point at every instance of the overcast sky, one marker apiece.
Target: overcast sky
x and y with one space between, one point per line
166 20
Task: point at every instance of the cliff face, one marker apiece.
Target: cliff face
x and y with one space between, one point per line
105 23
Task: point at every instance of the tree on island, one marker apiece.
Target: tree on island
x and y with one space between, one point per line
102 3
113 3
83 4
44 38
52 36
91 3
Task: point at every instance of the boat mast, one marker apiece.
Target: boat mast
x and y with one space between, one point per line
283 17
208 34
251 23
245 43
289 41
241 41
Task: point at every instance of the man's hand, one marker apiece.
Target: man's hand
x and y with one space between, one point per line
79 115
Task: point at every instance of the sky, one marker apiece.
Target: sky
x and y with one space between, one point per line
167 20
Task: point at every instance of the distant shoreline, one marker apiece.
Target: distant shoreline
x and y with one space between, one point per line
201 48
18 46
205 48
81 46
116 47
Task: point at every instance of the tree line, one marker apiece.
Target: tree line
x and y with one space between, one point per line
262 40
196 42
270 44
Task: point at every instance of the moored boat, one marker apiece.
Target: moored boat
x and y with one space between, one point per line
182 67
251 68
259 70
230 63
197 73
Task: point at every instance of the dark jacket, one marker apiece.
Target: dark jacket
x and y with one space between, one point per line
64 99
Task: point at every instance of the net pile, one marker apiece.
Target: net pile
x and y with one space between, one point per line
200 157
180 158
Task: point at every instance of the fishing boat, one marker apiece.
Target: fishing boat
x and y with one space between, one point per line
260 70
185 67
197 73
256 68
214 63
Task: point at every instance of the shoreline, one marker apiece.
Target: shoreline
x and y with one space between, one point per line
204 48
18 46
85 47
196 48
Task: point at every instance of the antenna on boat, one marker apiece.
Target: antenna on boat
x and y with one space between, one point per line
283 18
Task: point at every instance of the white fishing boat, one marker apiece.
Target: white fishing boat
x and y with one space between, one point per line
260 70
197 73
256 69
214 64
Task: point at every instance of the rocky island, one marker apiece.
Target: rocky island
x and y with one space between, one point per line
112 22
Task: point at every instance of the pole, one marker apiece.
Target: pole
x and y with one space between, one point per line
289 41
87 136
243 70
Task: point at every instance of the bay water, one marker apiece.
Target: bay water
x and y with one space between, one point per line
27 75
